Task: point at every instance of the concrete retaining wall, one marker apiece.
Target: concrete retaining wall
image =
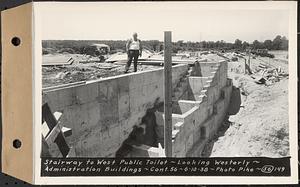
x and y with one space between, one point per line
212 96
203 113
102 113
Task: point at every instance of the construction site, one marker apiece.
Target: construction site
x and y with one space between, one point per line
223 103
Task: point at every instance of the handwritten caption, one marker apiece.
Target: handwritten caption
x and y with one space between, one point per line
165 167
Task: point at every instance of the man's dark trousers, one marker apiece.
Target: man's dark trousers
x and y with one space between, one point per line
132 54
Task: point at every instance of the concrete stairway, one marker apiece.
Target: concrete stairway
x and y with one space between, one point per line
202 117
199 107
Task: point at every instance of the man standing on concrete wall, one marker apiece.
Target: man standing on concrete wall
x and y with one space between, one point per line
134 50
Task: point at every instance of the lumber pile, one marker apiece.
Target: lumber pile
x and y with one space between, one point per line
268 75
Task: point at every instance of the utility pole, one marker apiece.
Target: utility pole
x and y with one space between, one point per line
168 93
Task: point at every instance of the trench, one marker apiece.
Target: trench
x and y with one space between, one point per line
199 100
148 133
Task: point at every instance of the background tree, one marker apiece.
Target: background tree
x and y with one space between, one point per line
153 44
256 44
284 43
78 46
268 44
245 45
237 44
276 42
180 43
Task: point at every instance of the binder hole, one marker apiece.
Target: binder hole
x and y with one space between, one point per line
16 41
17 143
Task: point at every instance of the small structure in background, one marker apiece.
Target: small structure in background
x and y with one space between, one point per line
98 50
262 53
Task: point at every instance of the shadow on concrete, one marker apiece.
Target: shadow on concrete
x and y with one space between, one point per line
235 101
233 108
142 134
221 132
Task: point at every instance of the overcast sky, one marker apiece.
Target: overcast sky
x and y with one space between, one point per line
191 21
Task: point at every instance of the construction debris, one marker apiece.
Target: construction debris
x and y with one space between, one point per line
269 75
56 60
123 57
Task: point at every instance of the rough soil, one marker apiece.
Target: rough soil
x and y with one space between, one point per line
261 127
59 75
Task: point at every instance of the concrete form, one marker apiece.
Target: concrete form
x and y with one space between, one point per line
103 113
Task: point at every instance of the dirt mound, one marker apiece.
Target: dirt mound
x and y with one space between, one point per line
260 128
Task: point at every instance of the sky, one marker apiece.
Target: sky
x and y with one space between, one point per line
191 21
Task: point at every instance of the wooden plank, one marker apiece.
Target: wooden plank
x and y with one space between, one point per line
47 126
45 129
63 86
52 135
45 148
71 153
66 131
168 93
62 144
48 116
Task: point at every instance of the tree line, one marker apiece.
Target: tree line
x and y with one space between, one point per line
78 46
278 43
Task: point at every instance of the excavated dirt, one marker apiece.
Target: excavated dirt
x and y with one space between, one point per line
59 75
260 128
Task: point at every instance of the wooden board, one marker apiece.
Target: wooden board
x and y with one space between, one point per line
168 93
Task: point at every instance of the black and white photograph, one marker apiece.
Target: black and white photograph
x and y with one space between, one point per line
104 84
168 80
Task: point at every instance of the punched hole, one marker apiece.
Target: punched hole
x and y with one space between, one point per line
17 144
16 41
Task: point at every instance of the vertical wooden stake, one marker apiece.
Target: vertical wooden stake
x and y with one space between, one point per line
245 66
168 93
249 62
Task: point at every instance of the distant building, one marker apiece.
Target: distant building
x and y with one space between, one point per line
97 50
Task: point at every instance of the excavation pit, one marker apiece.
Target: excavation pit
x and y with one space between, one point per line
105 114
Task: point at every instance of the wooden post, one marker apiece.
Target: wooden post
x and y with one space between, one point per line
245 66
249 61
168 93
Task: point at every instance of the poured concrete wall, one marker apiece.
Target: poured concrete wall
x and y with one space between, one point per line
206 113
201 112
102 113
